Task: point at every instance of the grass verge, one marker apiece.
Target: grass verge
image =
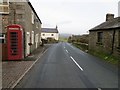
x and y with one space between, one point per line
106 57
80 46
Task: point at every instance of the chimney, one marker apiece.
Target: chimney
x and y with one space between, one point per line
56 27
109 17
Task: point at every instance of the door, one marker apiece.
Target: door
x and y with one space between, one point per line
27 43
36 40
14 45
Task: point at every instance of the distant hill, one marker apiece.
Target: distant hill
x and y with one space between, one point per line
64 35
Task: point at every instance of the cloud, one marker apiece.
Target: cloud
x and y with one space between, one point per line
119 8
64 22
77 1
74 16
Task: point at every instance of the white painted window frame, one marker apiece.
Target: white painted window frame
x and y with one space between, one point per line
36 38
32 17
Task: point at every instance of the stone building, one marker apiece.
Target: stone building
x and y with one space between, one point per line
4 14
21 13
105 37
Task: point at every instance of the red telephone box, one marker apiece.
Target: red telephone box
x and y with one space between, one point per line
15 42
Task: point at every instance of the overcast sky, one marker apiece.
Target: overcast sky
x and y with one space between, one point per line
74 16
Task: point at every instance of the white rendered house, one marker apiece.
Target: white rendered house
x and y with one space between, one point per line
50 33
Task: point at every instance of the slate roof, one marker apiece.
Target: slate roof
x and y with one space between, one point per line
49 30
114 23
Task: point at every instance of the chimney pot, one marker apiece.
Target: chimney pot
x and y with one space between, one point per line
109 17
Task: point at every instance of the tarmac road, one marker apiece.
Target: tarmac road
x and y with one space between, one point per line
65 66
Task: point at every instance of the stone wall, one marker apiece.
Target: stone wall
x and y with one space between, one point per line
21 13
107 41
80 38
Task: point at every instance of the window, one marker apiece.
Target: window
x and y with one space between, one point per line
2 38
36 22
32 17
5 2
4 9
52 34
100 37
43 34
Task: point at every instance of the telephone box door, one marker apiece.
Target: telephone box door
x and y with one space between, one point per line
15 42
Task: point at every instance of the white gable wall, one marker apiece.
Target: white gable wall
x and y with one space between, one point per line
50 35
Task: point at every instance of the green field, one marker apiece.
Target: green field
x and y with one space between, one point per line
62 39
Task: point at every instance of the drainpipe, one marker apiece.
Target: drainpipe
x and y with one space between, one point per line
113 40
14 16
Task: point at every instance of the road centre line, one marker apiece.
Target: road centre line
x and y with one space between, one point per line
99 89
76 63
67 51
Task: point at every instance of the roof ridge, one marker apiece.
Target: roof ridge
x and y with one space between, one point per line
113 23
49 30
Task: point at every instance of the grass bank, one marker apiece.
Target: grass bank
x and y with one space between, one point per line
82 47
106 57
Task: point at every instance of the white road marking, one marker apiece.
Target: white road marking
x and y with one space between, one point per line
76 63
99 89
67 51
28 69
